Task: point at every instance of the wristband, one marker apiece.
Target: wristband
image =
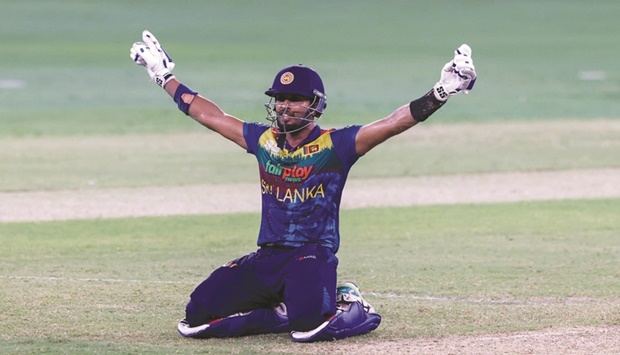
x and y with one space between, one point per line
178 98
425 106
163 79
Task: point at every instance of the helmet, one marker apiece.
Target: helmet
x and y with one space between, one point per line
300 80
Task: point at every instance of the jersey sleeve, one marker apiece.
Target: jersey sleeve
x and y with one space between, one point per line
344 142
252 132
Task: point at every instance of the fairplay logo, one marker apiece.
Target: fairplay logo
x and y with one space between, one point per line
294 173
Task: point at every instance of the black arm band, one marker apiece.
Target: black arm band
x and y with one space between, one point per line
425 106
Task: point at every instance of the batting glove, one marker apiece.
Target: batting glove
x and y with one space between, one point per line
458 75
153 58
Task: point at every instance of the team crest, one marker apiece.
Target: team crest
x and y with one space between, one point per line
287 78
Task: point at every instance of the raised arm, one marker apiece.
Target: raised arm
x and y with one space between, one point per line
159 65
205 112
458 75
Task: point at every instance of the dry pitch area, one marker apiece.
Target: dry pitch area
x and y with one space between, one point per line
223 198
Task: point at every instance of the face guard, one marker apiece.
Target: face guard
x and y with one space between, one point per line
297 80
278 110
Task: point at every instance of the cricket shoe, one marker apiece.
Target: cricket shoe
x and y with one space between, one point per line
348 292
257 321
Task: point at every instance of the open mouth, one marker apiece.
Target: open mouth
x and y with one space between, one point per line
287 117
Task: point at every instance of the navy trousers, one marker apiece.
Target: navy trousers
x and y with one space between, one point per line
304 278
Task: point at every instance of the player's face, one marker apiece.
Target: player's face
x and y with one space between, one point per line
292 111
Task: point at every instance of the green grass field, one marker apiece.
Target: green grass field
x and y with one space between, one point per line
121 285
76 113
73 59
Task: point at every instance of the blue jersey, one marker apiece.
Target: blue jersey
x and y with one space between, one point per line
301 188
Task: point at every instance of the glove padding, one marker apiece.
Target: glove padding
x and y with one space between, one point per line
153 58
458 75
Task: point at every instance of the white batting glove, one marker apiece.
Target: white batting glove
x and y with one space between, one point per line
458 75
153 58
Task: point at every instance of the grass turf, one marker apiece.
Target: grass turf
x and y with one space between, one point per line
104 161
120 285
70 59
67 78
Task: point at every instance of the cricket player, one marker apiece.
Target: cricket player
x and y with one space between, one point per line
289 284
